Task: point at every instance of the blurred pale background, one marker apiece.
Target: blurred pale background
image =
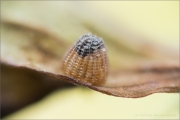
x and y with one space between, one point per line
156 20
80 103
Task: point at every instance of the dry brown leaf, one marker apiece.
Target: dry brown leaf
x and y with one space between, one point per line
39 50
22 86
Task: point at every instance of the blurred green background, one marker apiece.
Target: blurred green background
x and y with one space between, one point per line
131 22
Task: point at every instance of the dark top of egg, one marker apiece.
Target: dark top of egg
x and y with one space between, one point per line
88 44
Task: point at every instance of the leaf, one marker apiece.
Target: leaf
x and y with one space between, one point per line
22 86
41 51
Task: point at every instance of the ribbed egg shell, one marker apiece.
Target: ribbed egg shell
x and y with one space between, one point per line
87 60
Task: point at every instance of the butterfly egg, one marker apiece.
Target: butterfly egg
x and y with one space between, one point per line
87 60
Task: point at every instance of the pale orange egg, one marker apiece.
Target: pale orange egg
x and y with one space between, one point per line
87 60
